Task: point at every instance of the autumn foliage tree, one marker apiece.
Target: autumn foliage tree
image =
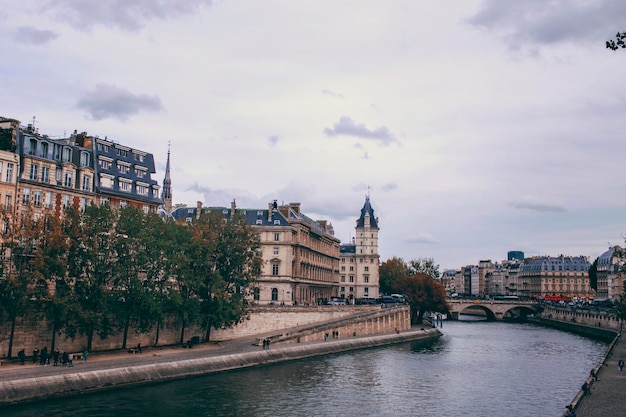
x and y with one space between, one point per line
423 293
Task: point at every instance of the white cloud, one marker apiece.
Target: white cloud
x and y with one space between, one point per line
108 101
33 36
348 127
531 202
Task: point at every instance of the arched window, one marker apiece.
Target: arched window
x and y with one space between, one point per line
274 294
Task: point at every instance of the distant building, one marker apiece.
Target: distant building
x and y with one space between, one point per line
610 273
565 276
359 275
515 254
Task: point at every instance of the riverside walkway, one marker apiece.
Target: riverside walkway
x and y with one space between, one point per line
29 382
606 396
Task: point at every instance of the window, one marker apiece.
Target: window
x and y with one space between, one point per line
343 260
33 147
66 200
34 172
351 278
276 251
121 152
59 174
67 154
276 237
142 189
123 168
68 180
140 173
104 200
47 200
351 269
83 204
7 202
351 289
366 290
259 221
366 278
106 181
256 294
361 260
26 196
351 260
343 269
103 147
44 150
123 203
37 198
124 185
275 268
84 159
104 164
45 174
138 157
343 290
9 173
367 268
146 209
57 152
277 222
371 260
274 294
86 183
343 278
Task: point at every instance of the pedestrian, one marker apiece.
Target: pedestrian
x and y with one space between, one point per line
70 359
35 355
55 356
85 353
64 359
586 389
44 355
620 365
22 355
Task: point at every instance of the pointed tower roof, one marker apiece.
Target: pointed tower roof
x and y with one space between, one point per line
367 210
166 194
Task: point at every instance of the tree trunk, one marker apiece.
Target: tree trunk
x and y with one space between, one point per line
54 334
89 337
208 333
11 337
126 325
182 333
158 330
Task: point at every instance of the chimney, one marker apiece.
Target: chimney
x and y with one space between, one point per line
198 209
233 206
269 212
295 207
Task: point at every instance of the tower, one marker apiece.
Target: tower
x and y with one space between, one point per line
166 194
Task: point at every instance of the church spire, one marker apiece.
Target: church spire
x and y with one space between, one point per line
166 195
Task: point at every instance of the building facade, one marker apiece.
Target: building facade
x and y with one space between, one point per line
561 276
610 274
360 260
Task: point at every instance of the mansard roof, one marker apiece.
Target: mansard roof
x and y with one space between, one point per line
367 210
560 263
254 217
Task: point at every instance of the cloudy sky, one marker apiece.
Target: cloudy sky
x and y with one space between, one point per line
476 126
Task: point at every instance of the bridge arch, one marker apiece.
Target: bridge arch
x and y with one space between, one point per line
492 309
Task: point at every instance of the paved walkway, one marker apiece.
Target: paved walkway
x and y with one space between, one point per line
606 396
12 370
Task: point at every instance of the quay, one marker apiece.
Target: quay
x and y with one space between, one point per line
30 382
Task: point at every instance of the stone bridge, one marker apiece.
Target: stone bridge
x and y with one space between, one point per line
492 309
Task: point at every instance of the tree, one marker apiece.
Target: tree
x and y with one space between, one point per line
593 275
424 266
619 41
423 293
389 271
233 265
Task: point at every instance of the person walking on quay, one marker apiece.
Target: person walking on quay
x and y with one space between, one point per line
70 359
22 355
85 353
55 356
44 356
35 355
620 365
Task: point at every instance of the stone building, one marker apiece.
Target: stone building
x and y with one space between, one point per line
561 276
610 273
300 255
359 277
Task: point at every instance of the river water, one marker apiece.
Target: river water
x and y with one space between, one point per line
475 369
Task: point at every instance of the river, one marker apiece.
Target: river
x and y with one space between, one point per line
476 369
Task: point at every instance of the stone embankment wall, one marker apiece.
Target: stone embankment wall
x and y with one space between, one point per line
584 317
37 334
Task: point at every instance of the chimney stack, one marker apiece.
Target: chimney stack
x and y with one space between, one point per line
233 206
198 209
270 208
